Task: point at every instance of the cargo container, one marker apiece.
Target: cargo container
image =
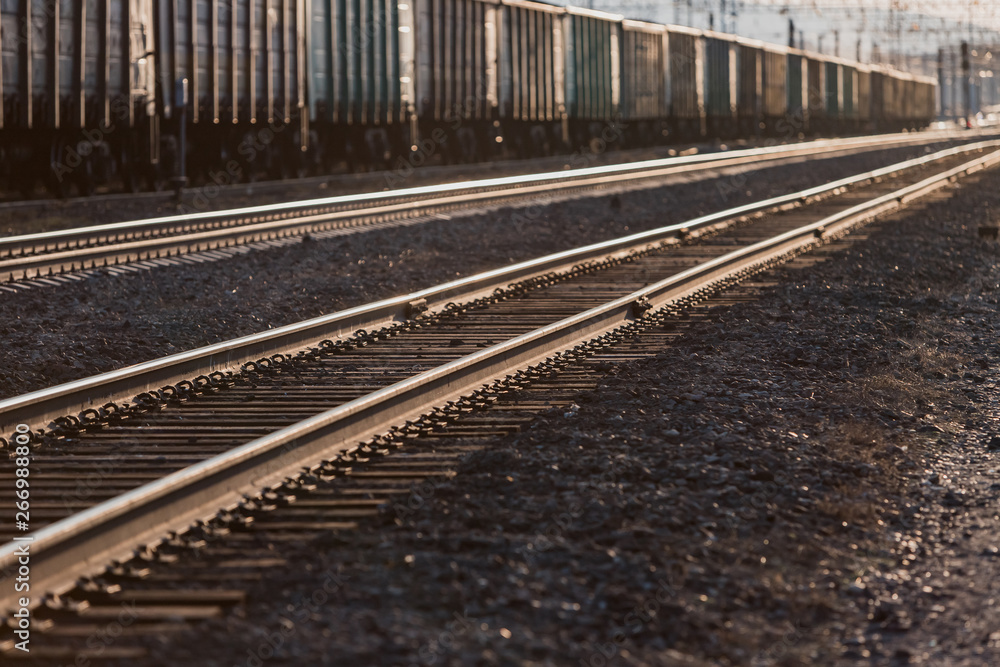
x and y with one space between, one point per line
246 109
455 87
864 112
774 82
834 90
262 77
593 84
278 86
354 62
593 77
644 103
360 84
720 85
848 94
797 121
816 94
77 83
531 62
749 81
685 59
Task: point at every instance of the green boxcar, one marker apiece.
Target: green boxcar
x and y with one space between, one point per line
57 76
531 62
262 78
354 62
798 92
833 91
720 79
592 63
748 89
848 98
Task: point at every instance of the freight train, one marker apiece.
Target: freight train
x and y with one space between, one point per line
91 91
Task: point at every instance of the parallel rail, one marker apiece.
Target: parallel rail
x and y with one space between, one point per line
37 408
85 542
51 253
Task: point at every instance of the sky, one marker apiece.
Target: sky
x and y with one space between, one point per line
875 30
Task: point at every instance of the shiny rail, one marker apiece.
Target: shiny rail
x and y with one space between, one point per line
37 408
44 254
85 542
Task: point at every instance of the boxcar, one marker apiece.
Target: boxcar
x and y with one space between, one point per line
774 82
643 107
879 113
281 85
532 71
796 122
455 87
848 97
77 86
245 63
925 102
748 89
686 66
834 91
816 94
360 78
593 66
864 94
720 84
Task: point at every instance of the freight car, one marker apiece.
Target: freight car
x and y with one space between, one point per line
283 87
77 84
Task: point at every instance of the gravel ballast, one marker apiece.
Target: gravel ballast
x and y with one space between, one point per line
61 334
808 478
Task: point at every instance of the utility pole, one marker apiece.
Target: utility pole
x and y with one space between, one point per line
966 83
954 84
791 33
940 73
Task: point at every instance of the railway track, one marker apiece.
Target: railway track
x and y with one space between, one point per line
46 256
174 456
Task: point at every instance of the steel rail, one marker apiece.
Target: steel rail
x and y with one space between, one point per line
357 179
48 253
83 544
39 407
